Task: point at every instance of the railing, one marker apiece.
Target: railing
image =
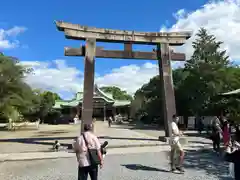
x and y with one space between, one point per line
26 124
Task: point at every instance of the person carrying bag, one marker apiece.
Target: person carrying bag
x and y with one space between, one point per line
93 154
88 151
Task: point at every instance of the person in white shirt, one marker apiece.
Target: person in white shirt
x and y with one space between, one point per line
176 148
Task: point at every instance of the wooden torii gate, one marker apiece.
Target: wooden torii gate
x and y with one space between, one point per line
162 53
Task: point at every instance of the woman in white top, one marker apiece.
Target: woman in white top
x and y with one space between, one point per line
84 165
176 146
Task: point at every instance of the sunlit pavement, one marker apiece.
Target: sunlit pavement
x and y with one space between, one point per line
140 166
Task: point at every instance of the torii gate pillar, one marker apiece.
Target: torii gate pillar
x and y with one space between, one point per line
89 69
168 97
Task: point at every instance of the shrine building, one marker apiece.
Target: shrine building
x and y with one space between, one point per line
104 105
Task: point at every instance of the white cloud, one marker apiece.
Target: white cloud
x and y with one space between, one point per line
220 18
130 77
55 76
60 78
8 37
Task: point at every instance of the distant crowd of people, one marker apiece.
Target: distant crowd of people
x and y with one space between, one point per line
220 131
229 134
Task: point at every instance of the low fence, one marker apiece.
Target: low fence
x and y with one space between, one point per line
20 125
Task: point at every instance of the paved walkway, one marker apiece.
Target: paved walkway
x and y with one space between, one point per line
42 139
140 166
68 154
37 144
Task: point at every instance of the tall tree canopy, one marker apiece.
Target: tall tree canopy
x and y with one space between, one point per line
15 94
207 74
117 93
17 97
198 84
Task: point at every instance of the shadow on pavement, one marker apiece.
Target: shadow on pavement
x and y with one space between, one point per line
137 167
49 141
23 140
139 126
49 133
200 142
208 161
123 138
34 139
196 134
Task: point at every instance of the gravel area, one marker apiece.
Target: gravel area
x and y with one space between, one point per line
199 165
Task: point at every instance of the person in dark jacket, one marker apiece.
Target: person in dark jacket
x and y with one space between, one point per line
237 133
234 157
200 125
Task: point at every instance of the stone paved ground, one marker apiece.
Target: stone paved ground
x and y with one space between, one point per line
141 166
118 135
42 139
193 137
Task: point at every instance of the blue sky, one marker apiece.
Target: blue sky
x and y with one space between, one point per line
46 43
43 43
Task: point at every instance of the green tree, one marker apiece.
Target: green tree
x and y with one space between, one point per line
150 95
207 73
17 99
117 93
47 100
15 94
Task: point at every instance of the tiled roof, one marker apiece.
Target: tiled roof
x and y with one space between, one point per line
98 93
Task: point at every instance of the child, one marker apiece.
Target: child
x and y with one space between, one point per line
56 145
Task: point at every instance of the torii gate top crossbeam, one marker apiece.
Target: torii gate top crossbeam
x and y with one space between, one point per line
78 32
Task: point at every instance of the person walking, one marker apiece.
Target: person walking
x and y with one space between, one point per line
110 121
216 134
177 153
237 133
226 134
85 146
200 125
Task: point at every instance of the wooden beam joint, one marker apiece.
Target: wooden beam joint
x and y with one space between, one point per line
79 32
118 54
128 50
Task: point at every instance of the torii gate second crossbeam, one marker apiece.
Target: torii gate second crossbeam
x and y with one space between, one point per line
162 53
